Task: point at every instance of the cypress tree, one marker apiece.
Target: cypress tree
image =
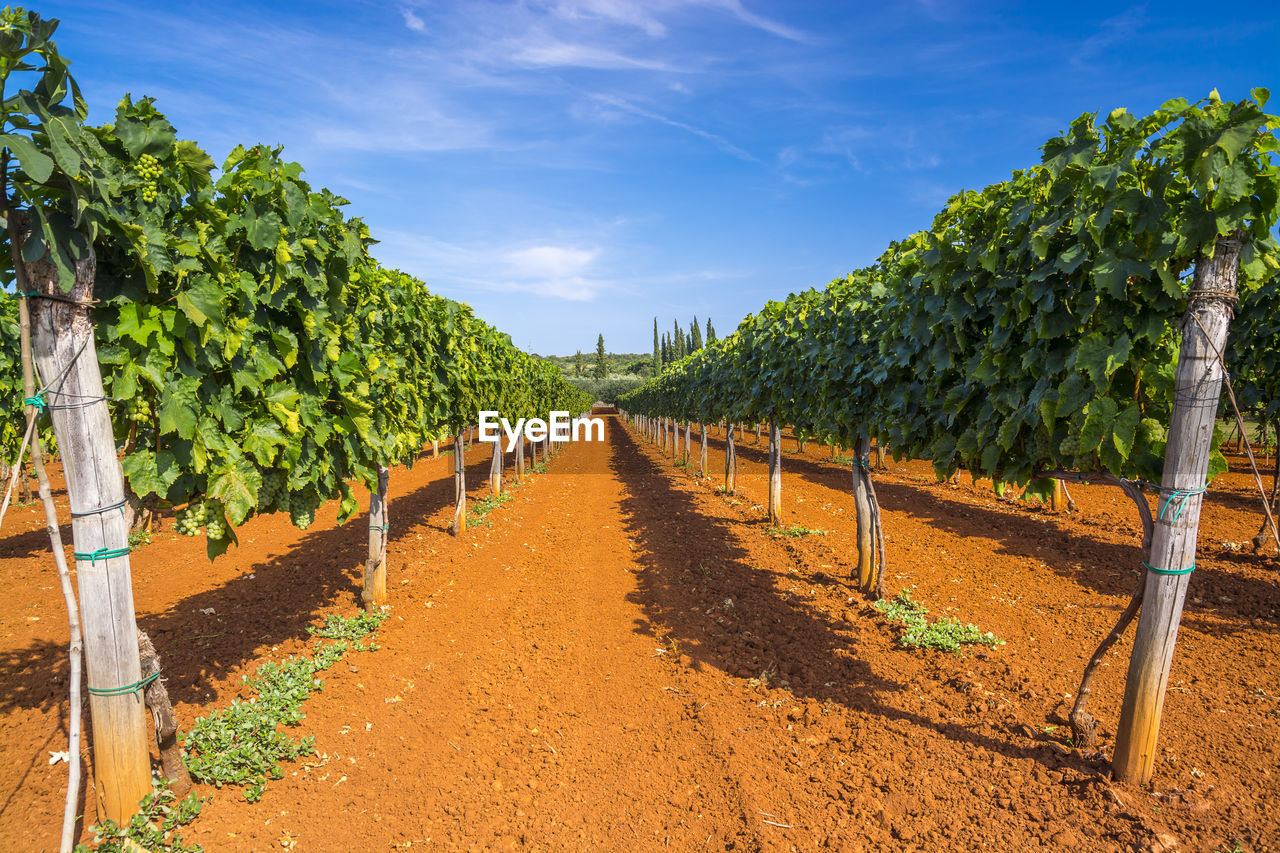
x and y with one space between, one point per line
578 363
696 343
657 349
602 362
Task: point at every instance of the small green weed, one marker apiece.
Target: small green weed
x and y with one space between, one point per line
139 537
243 744
486 505
795 531
339 627
945 634
153 828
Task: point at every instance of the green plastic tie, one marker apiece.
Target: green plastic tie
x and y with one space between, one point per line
101 554
134 688
37 401
864 463
1181 496
1188 570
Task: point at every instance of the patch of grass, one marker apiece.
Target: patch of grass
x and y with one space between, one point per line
244 743
945 634
139 537
795 531
155 826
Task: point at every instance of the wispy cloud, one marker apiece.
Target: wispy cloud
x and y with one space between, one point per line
714 138
546 51
1117 30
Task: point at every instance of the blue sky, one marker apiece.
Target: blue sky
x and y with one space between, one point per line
574 167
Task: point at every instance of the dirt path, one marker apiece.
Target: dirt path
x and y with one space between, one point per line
625 660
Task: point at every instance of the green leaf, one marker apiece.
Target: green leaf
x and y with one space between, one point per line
263 231
1099 357
37 164
150 473
262 440
237 487
152 135
1124 429
179 407
1099 418
202 302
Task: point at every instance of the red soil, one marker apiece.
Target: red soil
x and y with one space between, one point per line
587 672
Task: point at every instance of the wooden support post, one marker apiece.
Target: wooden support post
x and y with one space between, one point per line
65 356
702 465
688 428
435 448
1058 501
730 461
520 459
495 468
374 593
459 525
775 472
1197 386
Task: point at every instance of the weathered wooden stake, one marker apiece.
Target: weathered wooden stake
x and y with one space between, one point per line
775 471
688 429
1197 386
702 464
459 525
75 647
65 356
495 468
520 460
730 461
374 593
1058 502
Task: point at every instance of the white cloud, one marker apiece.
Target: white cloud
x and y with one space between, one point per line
551 261
413 22
559 271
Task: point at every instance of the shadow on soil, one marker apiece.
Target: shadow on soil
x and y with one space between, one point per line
693 567
1239 602
285 595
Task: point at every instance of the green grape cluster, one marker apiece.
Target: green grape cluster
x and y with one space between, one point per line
138 410
272 493
192 518
148 168
215 524
302 508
